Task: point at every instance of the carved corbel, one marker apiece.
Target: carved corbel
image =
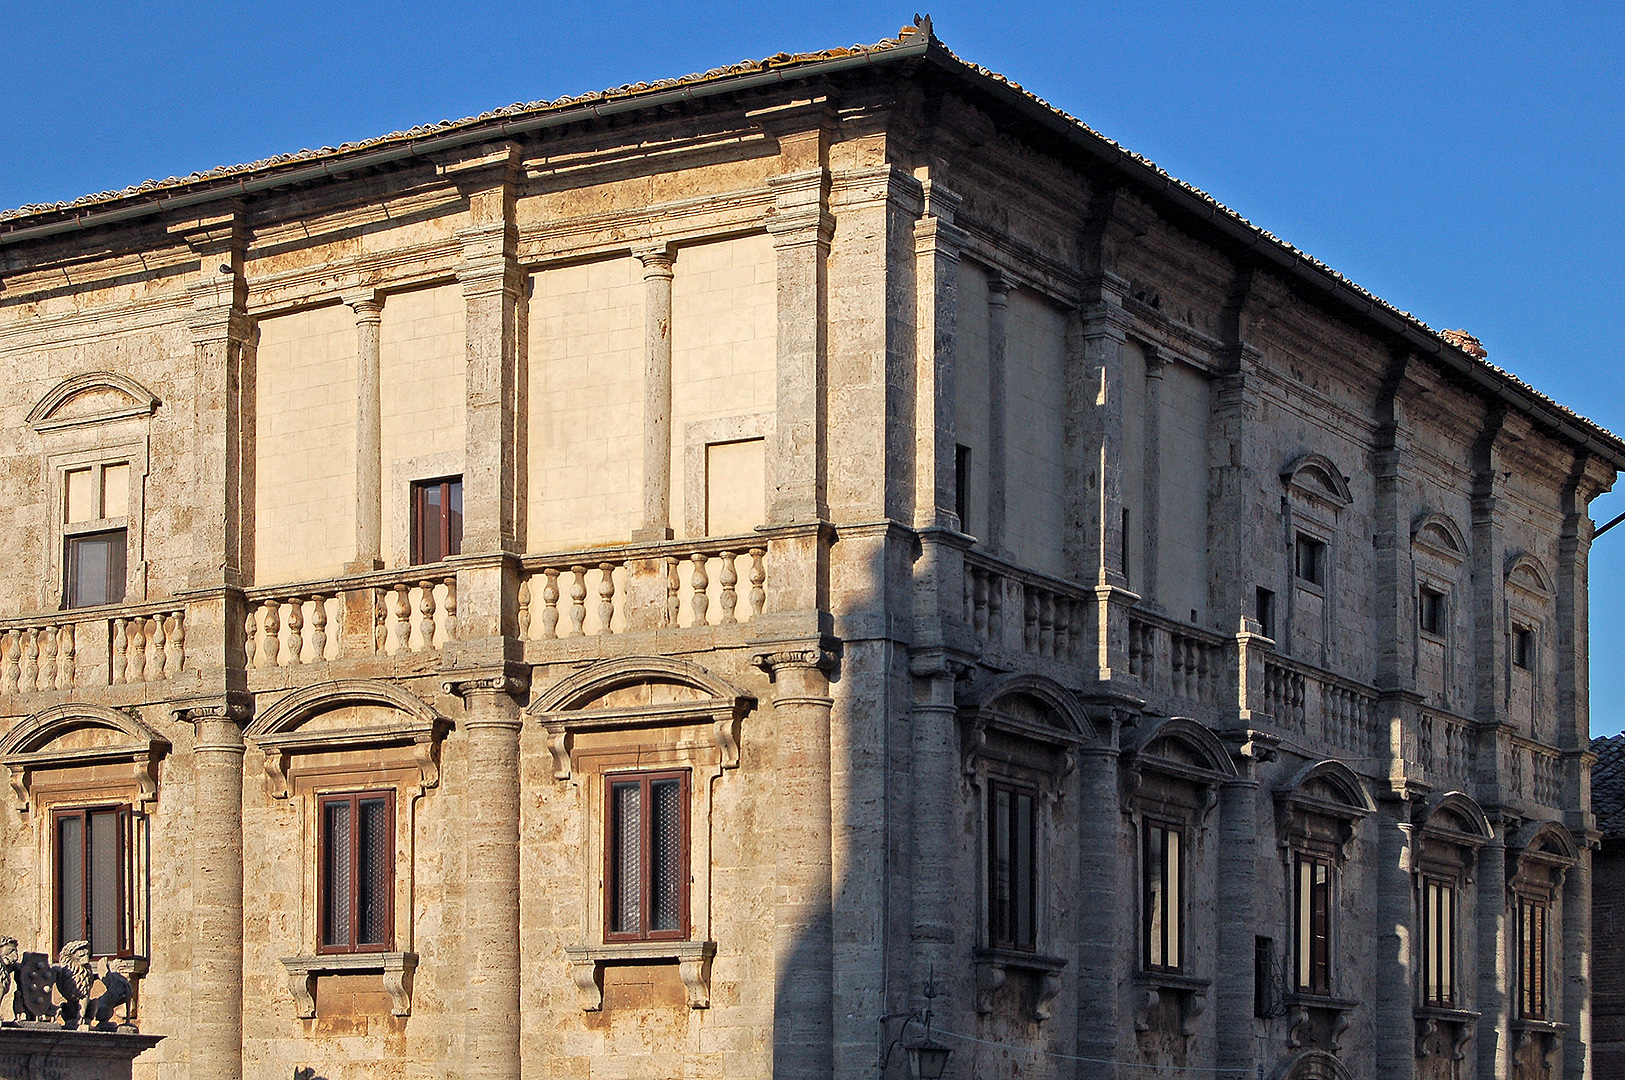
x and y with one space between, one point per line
426 755
989 977
1426 1028
1195 1006
276 772
1049 985
695 971
398 984
21 781
146 776
1458 1048
558 744
726 732
1150 997
1300 1017
302 985
585 972
1339 1026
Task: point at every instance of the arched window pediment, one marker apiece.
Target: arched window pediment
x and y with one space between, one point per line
1457 818
74 735
1316 476
1438 535
1324 791
1311 1065
640 692
1026 721
294 725
1528 575
95 397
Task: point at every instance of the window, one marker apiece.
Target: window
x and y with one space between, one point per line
358 872
1430 610
1313 925
1162 897
1266 979
94 875
1264 611
1438 943
962 486
646 886
96 498
1531 959
1311 560
1013 880
1523 648
1125 544
437 519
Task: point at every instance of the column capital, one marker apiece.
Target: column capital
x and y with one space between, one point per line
510 679
657 261
233 707
367 304
998 289
821 655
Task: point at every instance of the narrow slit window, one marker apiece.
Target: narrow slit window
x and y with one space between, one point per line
1012 862
1531 959
1163 902
1313 925
1438 943
962 486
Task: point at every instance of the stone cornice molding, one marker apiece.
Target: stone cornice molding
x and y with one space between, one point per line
277 731
25 748
42 417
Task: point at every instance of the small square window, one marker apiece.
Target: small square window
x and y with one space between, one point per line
1311 560
1264 611
1430 610
94 890
358 872
646 894
1012 845
95 568
437 519
1523 648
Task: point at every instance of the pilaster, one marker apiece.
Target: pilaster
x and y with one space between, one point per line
657 450
1151 501
1492 1035
369 455
936 275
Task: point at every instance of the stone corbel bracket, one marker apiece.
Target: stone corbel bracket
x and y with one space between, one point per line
693 967
26 749
992 971
396 968
1153 986
721 714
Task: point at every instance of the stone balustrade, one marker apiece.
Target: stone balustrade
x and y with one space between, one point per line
416 614
1336 711
283 630
1176 660
151 647
1015 611
1445 745
68 651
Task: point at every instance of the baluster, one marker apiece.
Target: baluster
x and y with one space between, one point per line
978 602
524 608
578 600
30 666
153 669
270 641
47 657
729 573
699 583
550 603
1029 618
1046 624
380 620
606 597
293 652
318 628
116 653
448 611
1063 627
397 624
1203 674
11 668
67 647
175 653
251 631
995 609
674 592
136 654
758 582
423 627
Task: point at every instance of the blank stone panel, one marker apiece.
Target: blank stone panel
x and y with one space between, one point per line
1035 351
305 401
1182 526
971 392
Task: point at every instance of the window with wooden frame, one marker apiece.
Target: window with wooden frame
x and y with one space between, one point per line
94 881
1438 943
646 853
1162 906
1532 920
1430 610
1012 849
1310 560
1312 925
437 519
95 534
357 845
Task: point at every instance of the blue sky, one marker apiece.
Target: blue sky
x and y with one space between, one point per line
1458 160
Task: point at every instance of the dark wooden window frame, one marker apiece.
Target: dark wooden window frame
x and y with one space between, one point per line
448 535
612 882
1534 918
1170 936
1431 610
324 847
122 884
1003 924
117 570
1309 560
1312 969
1439 937
1523 648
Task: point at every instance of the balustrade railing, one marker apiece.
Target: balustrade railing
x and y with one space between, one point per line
684 586
147 648
412 612
1285 696
1445 745
1177 660
1015 611
68 650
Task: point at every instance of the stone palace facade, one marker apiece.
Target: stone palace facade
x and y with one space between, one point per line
679 581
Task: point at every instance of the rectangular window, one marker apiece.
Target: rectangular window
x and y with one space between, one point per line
437 519
1430 610
1162 897
1313 925
95 568
1012 846
962 486
1311 560
1125 544
358 872
1438 943
94 876
646 890
1264 611
1523 648
1531 959
1266 976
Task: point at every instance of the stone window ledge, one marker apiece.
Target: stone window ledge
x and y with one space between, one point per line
396 968
693 958
1153 986
1300 1007
993 967
1455 1024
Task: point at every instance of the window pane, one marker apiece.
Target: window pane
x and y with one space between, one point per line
374 848
1447 951
116 491
103 853
1153 895
336 873
70 855
1172 918
1000 855
1304 922
96 569
626 855
666 855
81 485
1025 877
454 517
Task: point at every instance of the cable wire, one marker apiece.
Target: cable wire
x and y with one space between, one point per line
1090 1060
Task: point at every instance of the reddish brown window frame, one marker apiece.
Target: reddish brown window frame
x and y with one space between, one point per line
612 882
121 885
323 884
1162 938
1005 911
1312 967
1534 917
447 534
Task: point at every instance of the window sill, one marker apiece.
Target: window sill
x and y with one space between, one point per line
1457 1024
1189 991
693 966
396 968
993 967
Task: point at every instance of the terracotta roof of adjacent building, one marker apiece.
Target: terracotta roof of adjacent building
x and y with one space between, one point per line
1608 784
912 41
